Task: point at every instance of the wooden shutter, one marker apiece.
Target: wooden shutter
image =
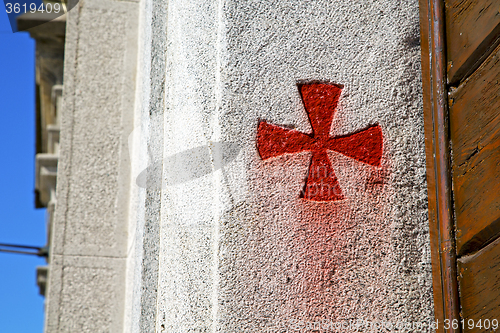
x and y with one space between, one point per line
461 80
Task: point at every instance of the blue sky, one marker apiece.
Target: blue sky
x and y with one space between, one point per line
21 307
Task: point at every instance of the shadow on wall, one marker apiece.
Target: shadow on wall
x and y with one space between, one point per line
189 164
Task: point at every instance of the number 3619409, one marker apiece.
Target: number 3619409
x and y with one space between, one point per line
17 8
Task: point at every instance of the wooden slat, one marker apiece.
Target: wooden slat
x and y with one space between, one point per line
438 162
473 30
479 280
475 137
437 282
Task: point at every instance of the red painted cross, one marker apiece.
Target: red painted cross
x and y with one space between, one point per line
320 101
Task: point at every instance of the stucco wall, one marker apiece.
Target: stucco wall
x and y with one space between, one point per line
181 226
86 289
239 250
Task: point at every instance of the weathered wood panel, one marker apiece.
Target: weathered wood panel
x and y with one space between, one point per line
446 303
479 280
473 30
437 281
475 137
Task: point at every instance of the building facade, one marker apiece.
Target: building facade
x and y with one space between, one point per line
251 166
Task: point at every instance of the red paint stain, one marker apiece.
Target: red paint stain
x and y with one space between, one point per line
320 101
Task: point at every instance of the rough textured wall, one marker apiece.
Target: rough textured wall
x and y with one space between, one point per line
147 148
213 235
86 290
239 250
